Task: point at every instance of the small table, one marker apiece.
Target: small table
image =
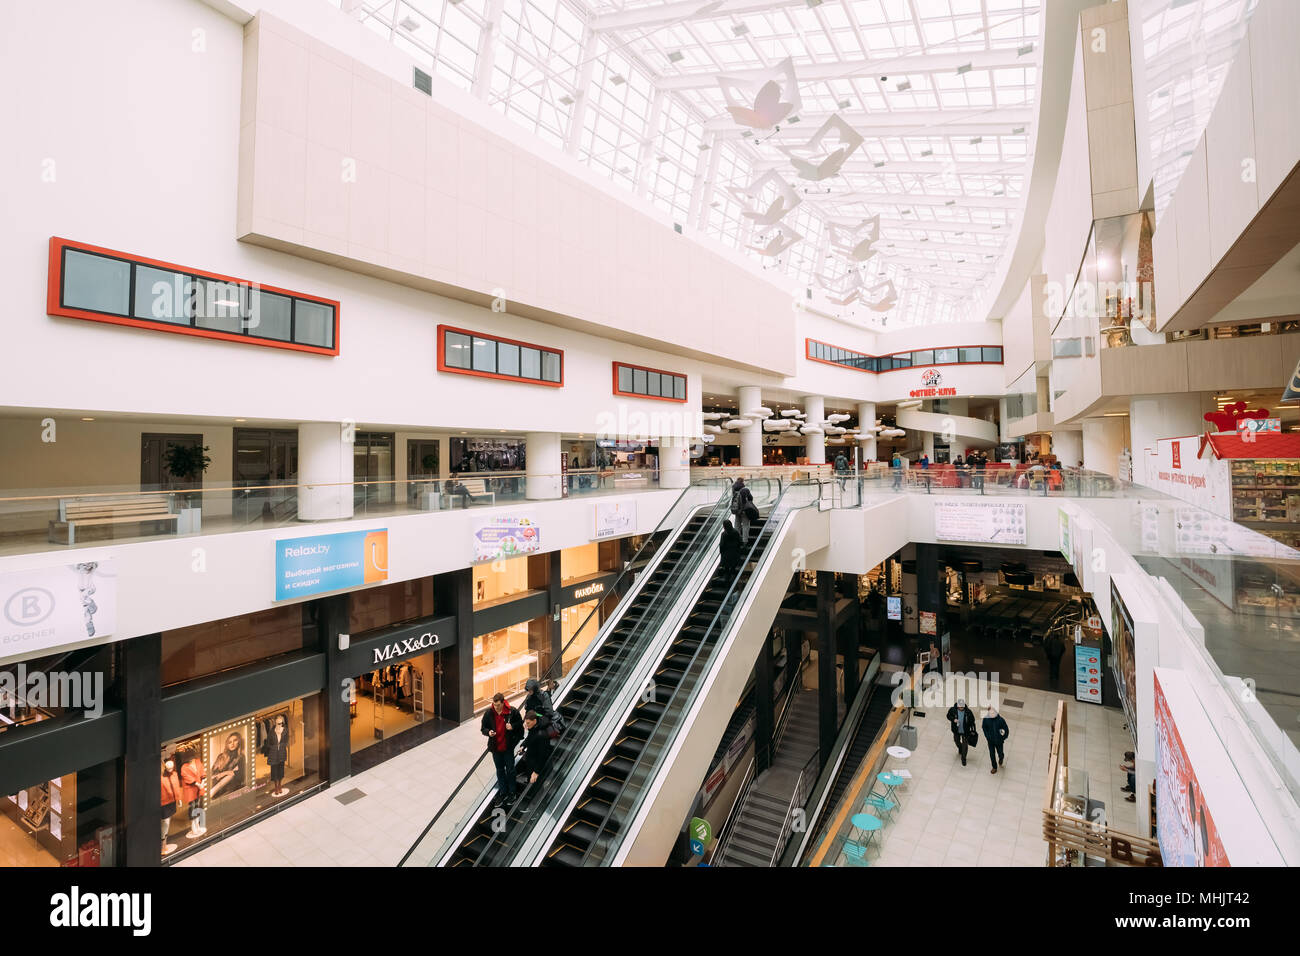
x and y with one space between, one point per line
891 781
869 824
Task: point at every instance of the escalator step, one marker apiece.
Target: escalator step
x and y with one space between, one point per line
579 833
629 747
618 766
563 856
593 810
649 710
607 788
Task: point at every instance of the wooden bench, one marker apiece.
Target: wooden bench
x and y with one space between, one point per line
111 510
477 488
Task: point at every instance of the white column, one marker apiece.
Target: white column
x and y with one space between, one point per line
1067 446
867 417
325 471
927 444
751 438
542 465
1103 440
815 408
674 462
1152 417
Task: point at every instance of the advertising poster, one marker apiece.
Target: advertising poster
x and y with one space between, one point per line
506 536
62 604
928 622
1184 827
1180 472
985 522
1123 662
615 519
1087 673
894 608
330 562
1064 517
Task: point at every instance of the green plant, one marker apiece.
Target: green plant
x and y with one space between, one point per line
187 463
429 462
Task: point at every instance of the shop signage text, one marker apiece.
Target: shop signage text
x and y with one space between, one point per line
590 590
931 380
408 645
42 608
330 562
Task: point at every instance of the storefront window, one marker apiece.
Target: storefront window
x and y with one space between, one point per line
391 604
204 649
498 580
578 627
505 659
226 774
487 455
67 821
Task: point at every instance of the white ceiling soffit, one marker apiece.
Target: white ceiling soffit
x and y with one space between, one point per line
1059 28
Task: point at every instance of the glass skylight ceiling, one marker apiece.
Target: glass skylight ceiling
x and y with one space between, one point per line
941 90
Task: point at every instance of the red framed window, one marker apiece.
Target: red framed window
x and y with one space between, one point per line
104 285
824 352
490 356
637 381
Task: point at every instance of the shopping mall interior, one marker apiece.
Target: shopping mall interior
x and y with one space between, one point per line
665 433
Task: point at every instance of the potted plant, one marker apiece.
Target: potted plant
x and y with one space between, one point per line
427 495
187 463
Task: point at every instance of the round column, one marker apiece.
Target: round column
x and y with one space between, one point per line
1067 446
751 438
927 444
815 444
674 462
542 465
866 418
325 471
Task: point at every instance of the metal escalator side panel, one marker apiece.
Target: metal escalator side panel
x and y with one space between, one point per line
646 838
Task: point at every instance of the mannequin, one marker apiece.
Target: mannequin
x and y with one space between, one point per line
193 785
171 801
276 752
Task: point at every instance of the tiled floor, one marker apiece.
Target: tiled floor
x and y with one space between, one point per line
966 816
401 795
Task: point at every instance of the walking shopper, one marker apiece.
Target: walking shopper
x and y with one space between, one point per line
1054 648
995 732
537 745
747 519
962 722
503 729
729 546
896 466
981 460
842 469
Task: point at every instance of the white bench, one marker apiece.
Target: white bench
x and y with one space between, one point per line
477 488
111 510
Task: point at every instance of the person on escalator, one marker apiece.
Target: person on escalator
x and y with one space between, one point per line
740 496
539 700
503 729
537 745
748 518
729 546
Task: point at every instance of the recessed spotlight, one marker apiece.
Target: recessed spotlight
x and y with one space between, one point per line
87 419
879 164
241 419
950 202
844 104
927 152
792 119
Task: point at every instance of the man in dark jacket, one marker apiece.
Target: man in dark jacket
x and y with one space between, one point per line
740 496
503 729
540 700
748 518
729 546
962 723
537 745
995 732
1054 648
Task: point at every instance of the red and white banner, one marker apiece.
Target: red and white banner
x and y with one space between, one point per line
1180 472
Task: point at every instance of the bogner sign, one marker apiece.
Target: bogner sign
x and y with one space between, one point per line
407 645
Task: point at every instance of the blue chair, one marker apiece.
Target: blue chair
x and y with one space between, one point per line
856 855
879 803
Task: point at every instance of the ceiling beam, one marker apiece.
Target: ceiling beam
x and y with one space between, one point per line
895 67
665 13
880 125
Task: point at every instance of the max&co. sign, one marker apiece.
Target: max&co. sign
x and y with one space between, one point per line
407 645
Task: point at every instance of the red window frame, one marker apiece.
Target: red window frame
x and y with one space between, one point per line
654 398
808 344
444 367
54 300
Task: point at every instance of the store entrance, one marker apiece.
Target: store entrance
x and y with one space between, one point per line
396 706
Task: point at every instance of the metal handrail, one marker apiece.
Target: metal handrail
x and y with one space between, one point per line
737 807
797 800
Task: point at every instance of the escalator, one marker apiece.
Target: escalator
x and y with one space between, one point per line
599 813
601 671
873 718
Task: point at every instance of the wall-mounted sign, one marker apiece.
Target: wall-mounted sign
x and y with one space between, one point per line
932 386
1184 825
1066 551
987 522
507 536
392 644
614 519
894 608
1180 472
49 607
1087 673
929 622
329 562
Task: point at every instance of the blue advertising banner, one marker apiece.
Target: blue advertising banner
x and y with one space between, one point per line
329 562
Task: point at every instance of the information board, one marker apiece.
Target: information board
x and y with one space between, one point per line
987 522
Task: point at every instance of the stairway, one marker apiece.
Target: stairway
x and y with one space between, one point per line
757 830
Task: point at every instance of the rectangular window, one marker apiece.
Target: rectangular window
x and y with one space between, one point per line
992 354
945 356
833 354
923 358
654 383
971 355
474 353
101 285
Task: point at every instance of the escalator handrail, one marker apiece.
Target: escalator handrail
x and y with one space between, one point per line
774 520
550 674
597 711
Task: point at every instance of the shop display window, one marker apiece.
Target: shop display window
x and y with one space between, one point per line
67 821
498 581
215 646
226 774
390 604
505 659
588 559
579 625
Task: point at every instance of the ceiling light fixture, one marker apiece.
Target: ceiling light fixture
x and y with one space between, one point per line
1025 50
739 29
904 86
566 99
87 419
1018 130
964 68
675 56
409 24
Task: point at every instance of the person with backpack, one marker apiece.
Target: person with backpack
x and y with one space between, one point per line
842 469
995 732
537 745
740 496
962 723
539 699
729 546
503 729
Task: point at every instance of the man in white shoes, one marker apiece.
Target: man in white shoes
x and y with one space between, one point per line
995 732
